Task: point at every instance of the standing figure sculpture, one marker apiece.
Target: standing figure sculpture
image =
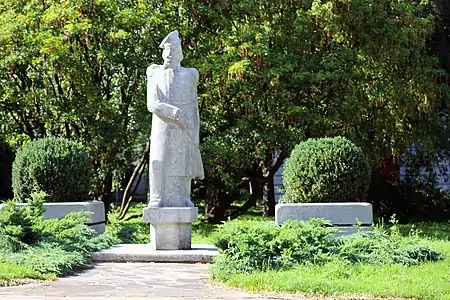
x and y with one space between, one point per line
174 143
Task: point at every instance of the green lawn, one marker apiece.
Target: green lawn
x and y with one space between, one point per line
201 232
429 281
12 274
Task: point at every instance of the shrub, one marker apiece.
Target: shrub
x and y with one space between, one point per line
378 247
55 246
57 166
17 224
325 170
250 246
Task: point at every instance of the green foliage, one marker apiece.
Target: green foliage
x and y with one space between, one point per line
249 246
76 69
46 259
326 170
409 202
283 71
54 246
381 248
57 166
18 224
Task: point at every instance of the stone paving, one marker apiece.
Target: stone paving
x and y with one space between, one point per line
131 281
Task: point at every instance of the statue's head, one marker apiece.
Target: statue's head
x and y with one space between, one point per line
172 52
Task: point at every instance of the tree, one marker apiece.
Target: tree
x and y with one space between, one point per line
76 68
273 73
281 71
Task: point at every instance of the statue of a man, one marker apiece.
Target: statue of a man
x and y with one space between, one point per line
174 149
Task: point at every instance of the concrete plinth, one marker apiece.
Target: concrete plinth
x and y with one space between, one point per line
348 217
170 227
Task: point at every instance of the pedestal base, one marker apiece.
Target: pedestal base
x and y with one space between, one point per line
170 227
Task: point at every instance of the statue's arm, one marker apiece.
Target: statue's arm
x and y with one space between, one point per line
155 99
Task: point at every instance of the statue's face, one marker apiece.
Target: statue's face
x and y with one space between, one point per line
172 54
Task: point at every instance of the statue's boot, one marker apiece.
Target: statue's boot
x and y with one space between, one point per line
154 202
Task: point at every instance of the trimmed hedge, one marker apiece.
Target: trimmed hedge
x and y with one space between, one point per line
56 166
326 170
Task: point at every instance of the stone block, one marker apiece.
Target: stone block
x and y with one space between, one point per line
341 214
60 209
170 227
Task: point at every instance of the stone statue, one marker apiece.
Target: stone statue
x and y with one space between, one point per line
174 147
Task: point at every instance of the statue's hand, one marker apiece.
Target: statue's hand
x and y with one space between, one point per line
180 118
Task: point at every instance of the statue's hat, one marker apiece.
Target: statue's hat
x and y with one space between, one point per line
171 39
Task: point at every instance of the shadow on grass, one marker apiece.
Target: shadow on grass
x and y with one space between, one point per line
431 230
203 229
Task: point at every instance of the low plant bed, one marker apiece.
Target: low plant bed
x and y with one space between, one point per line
305 257
32 248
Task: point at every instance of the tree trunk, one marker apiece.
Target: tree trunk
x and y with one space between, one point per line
269 187
255 188
105 195
256 192
138 170
127 204
216 204
269 197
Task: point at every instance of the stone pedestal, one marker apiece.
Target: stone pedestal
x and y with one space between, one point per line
170 227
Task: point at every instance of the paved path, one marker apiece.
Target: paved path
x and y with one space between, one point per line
130 281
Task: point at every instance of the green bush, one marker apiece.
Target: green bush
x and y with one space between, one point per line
325 170
59 167
56 246
409 202
250 246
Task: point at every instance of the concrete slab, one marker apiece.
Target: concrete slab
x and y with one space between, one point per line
341 214
54 210
144 253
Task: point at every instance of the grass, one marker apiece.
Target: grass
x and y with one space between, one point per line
428 281
134 231
13 274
